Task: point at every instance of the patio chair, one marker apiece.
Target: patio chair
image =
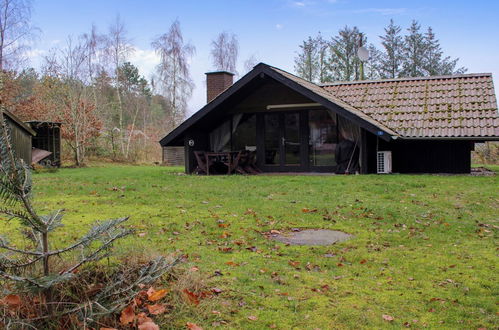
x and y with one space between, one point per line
251 164
202 167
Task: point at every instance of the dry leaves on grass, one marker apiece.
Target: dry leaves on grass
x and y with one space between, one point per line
156 309
193 326
127 315
154 295
388 318
12 300
148 326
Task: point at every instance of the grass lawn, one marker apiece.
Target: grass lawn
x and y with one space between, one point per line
424 249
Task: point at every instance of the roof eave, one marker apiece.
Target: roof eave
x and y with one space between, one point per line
19 122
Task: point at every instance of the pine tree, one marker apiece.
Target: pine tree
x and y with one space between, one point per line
306 62
434 63
414 50
392 58
344 62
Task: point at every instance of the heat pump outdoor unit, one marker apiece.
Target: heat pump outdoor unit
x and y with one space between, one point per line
384 164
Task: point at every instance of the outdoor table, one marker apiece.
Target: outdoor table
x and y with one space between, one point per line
229 158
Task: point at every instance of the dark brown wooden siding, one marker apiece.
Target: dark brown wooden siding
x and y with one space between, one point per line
422 156
21 141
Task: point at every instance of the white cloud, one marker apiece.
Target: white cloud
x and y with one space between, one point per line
35 53
146 60
279 26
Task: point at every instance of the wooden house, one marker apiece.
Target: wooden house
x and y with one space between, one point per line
405 125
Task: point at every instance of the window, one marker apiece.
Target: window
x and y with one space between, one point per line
323 138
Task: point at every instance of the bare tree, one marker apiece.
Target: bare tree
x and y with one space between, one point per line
75 107
15 30
118 48
224 52
250 63
174 80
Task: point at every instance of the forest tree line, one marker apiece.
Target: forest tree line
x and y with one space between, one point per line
413 54
110 110
88 83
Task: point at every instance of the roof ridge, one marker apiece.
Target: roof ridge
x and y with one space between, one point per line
464 75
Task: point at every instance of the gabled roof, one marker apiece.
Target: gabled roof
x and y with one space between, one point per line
310 90
427 107
461 106
18 122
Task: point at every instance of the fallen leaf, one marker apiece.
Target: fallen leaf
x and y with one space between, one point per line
363 261
127 315
191 296
143 318
148 326
387 318
156 309
252 318
276 232
294 263
12 300
216 290
157 295
193 326
223 225
108 329
232 263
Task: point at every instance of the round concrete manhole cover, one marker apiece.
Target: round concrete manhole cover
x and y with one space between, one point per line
311 237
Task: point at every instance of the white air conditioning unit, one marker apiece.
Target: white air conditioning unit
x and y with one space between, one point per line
384 164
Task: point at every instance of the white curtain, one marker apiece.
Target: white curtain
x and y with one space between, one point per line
348 130
220 136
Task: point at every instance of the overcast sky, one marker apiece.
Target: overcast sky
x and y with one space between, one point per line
271 30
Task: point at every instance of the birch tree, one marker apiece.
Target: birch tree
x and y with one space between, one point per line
118 49
15 31
224 52
174 81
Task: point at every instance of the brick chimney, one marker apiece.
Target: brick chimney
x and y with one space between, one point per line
216 83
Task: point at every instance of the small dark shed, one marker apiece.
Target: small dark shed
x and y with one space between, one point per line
21 135
48 137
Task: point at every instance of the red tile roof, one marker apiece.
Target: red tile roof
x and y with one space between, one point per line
446 106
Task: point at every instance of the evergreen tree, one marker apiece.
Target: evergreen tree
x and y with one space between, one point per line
393 56
344 63
306 63
415 47
373 66
434 63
